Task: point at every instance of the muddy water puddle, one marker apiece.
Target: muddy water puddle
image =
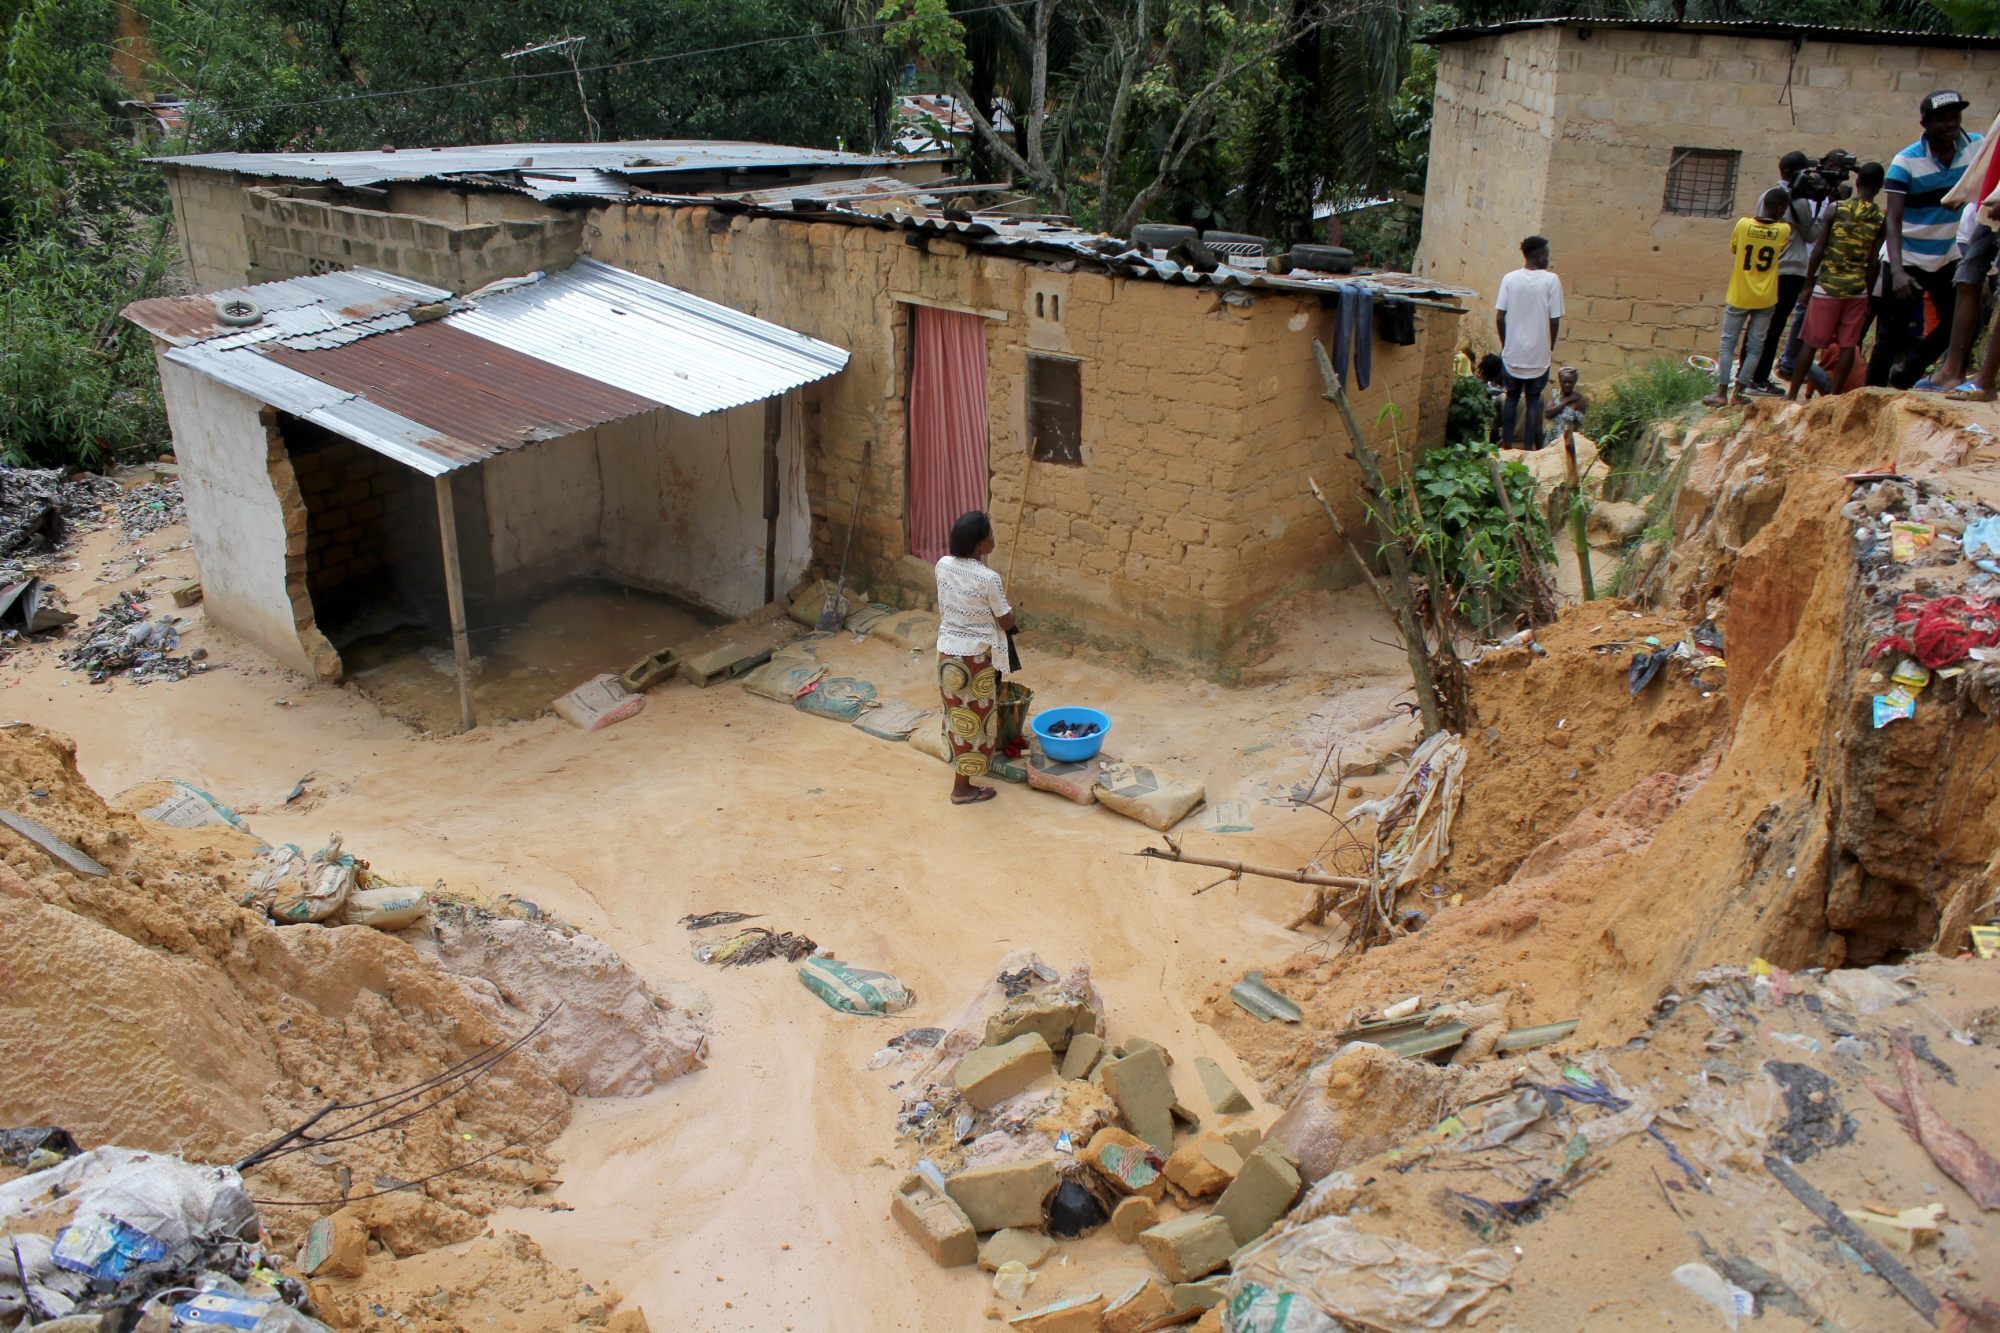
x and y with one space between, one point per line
523 658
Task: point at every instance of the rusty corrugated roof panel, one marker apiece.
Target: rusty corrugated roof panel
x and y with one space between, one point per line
466 388
316 303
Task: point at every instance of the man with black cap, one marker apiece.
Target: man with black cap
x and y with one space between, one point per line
1920 250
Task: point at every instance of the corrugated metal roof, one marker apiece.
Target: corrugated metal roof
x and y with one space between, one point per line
857 187
650 339
1804 32
638 157
531 361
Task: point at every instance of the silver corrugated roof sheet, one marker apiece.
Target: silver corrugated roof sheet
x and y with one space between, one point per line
579 348
1803 32
649 158
650 339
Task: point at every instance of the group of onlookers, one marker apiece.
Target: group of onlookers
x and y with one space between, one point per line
1834 251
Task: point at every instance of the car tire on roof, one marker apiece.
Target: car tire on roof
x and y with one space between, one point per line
234 312
1323 258
1160 235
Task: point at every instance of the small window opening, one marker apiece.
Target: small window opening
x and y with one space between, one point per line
1701 182
1055 410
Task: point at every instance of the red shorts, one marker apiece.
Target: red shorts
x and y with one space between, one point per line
1836 321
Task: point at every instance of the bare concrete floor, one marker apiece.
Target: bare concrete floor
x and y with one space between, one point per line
753 1194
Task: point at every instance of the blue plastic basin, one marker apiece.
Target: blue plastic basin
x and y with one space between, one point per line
1068 749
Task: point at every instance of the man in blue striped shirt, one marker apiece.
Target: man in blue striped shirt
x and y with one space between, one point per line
1920 248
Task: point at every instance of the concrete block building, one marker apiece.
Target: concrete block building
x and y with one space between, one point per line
1634 146
1146 428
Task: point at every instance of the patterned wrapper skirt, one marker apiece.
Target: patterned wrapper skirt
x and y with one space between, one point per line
971 690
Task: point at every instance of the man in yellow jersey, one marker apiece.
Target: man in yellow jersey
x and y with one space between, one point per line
1754 247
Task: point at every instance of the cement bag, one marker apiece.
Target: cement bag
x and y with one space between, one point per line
1156 798
855 990
304 888
1327 1274
864 618
894 720
911 629
1078 781
841 698
783 678
930 740
390 907
191 807
599 702
806 605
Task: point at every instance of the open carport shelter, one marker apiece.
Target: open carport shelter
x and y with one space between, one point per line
354 436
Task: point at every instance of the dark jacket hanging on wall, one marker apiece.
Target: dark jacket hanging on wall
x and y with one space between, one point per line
1396 320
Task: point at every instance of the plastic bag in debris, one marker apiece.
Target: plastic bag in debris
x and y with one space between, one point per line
784 677
598 702
1423 807
1076 781
910 629
841 698
1155 797
855 990
131 1207
304 888
191 807
1020 979
894 720
31 1258
36 1147
387 907
1309 1278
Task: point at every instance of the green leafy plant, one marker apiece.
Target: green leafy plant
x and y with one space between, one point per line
1470 418
1658 390
1463 530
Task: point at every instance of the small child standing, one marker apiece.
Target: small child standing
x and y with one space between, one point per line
1840 274
1754 247
1571 405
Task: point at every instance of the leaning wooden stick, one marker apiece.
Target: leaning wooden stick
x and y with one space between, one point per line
1266 872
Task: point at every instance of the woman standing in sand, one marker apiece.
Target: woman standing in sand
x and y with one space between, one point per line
973 620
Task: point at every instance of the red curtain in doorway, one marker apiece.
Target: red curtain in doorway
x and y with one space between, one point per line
947 426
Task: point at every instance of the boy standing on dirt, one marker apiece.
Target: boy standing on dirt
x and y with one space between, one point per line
1838 274
1754 246
1528 311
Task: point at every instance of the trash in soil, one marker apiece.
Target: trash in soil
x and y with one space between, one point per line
705 920
1956 1153
1986 941
191 807
1894 706
1732 1302
1907 538
1074 1211
855 990
33 607
1253 996
1420 810
1329 1269
292 887
756 944
124 639
81 862
36 1147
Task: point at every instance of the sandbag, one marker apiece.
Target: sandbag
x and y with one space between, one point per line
389 907
855 990
809 601
864 618
598 702
929 739
191 807
1153 796
784 677
303 888
910 629
1077 781
841 698
895 720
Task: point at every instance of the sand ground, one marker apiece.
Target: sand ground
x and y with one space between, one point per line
753 1194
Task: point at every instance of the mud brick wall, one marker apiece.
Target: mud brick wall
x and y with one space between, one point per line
1590 118
1201 416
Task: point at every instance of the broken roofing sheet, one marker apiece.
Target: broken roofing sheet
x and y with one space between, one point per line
438 382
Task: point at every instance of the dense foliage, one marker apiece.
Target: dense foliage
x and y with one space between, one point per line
1657 390
1464 531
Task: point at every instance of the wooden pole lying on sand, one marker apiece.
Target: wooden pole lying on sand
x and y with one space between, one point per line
1264 872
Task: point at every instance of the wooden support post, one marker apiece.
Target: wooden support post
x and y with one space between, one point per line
1392 547
774 424
454 591
1541 602
1577 526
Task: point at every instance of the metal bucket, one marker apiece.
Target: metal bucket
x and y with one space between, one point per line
1014 702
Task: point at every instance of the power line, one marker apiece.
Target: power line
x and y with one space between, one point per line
666 57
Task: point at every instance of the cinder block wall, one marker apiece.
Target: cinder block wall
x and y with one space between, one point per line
365 514
1201 417
295 230
1643 282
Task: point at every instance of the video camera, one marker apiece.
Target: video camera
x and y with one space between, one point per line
1827 180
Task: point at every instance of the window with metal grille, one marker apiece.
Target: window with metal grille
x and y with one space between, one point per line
1701 182
1055 410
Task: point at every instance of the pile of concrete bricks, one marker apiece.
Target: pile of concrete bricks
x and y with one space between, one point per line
1189 1198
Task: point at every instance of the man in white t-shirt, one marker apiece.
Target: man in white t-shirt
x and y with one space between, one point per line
1527 313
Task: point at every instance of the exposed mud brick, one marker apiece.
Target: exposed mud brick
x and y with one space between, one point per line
1072 1314
991 1074
1015 1245
1189 1247
1133 1216
938 1224
1223 1094
1204 1166
1210 1322
1137 1307
1259 1195
628 1321
1082 1056
1203 1295
1242 1137
1004 1194
336 1246
1127 1162
1138 1083
1134 1045
1056 1018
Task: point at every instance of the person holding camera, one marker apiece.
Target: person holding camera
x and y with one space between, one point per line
1803 187
1920 249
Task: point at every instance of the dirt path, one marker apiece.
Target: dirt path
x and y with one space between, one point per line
753 1194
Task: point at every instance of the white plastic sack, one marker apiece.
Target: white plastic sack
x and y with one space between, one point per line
390 907
304 888
191 807
1307 1278
1426 802
117 1192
